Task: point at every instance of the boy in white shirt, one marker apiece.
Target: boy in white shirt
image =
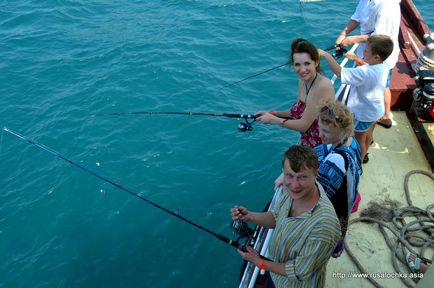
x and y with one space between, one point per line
366 99
376 17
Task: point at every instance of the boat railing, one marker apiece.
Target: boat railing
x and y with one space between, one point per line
261 246
344 90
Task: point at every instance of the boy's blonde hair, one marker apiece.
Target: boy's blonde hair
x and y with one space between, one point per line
381 45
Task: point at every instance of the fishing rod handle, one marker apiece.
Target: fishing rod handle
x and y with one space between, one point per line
239 246
244 116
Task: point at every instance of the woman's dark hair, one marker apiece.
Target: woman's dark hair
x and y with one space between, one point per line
300 45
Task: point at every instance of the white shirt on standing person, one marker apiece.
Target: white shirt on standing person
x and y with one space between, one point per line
387 15
361 15
366 99
379 17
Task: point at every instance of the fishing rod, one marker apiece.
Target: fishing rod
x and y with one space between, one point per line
243 126
238 229
340 50
230 115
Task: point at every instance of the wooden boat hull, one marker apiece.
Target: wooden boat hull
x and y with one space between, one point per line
412 29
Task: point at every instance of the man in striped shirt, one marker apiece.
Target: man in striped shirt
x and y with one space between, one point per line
306 228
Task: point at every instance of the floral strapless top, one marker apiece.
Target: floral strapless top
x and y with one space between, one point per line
311 136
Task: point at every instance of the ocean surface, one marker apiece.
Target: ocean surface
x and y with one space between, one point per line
64 61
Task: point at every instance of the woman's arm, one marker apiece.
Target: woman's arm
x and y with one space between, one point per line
279 114
322 93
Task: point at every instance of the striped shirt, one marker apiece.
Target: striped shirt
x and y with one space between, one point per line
304 243
332 173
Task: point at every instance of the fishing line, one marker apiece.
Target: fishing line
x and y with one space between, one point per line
222 238
339 52
300 6
1 142
257 74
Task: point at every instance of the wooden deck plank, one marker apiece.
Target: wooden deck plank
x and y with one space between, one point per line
394 153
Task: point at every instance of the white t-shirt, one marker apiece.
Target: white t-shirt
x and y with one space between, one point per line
361 15
379 17
366 98
387 21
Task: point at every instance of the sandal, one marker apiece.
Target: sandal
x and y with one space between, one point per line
412 260
339 249
386 123
366 158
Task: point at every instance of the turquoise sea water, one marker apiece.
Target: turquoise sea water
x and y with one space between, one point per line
62 61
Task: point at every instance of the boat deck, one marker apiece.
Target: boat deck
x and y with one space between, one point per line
391 158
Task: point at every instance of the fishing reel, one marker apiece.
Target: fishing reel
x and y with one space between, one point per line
241 229
339 50
246 125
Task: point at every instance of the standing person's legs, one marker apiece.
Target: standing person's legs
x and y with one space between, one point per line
386 120
370 137
361 138
361 131
387 102
341 244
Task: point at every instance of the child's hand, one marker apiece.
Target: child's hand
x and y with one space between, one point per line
350 55
321 52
